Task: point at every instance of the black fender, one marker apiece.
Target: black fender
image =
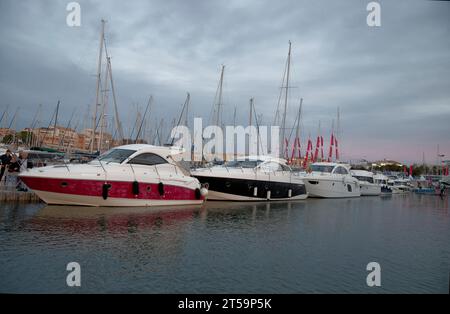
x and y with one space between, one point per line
161 188
135 187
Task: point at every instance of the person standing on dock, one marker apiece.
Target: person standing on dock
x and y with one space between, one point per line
22 165
5 160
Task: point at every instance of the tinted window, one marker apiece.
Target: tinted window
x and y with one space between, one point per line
271 166
367 179
148 159
321 168
341 170
116 155
242 163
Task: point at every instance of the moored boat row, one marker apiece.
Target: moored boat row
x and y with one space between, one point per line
147 175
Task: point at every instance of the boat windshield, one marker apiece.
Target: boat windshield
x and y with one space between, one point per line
242 163
117 155
366 179
322 168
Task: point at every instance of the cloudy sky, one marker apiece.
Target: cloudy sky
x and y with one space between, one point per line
392 83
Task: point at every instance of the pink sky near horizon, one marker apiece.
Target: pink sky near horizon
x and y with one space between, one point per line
403 151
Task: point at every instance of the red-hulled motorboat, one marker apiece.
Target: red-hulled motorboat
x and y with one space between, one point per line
129 175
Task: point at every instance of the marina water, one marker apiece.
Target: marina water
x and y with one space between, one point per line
312 246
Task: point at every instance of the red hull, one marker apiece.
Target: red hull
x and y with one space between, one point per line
118 189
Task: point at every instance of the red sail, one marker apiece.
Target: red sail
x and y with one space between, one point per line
316 153
330 153
336 145
321 147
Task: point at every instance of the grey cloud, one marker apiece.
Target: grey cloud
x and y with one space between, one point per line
389 82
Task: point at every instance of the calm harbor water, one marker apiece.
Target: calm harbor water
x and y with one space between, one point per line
317 245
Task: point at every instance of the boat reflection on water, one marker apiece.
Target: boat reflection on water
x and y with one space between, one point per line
77 218
113 219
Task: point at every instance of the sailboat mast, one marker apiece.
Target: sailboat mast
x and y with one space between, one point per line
283 125
116 111
103 112
56 121
251 112
186 118
297 130
97 93
219 102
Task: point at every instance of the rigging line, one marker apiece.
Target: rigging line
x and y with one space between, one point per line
48 127
4 114
61 142
257 122
93 133
186 103
143 118
277 113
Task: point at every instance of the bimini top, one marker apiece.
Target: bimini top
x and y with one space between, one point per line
160 150
361 173
262 158
380 176
331 164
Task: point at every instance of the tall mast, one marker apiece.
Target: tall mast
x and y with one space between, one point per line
321 141
330 152
338 123
116 111
338 133
103 112
219 104
56 121
283 125
251 112
297 129
97 93
186 118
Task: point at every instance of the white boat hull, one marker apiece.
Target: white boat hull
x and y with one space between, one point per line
370 189
53 198
325 188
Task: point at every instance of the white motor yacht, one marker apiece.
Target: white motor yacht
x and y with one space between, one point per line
382 180
252 178
366 182
331 180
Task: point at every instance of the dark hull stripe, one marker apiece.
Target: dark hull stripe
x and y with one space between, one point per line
245 187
